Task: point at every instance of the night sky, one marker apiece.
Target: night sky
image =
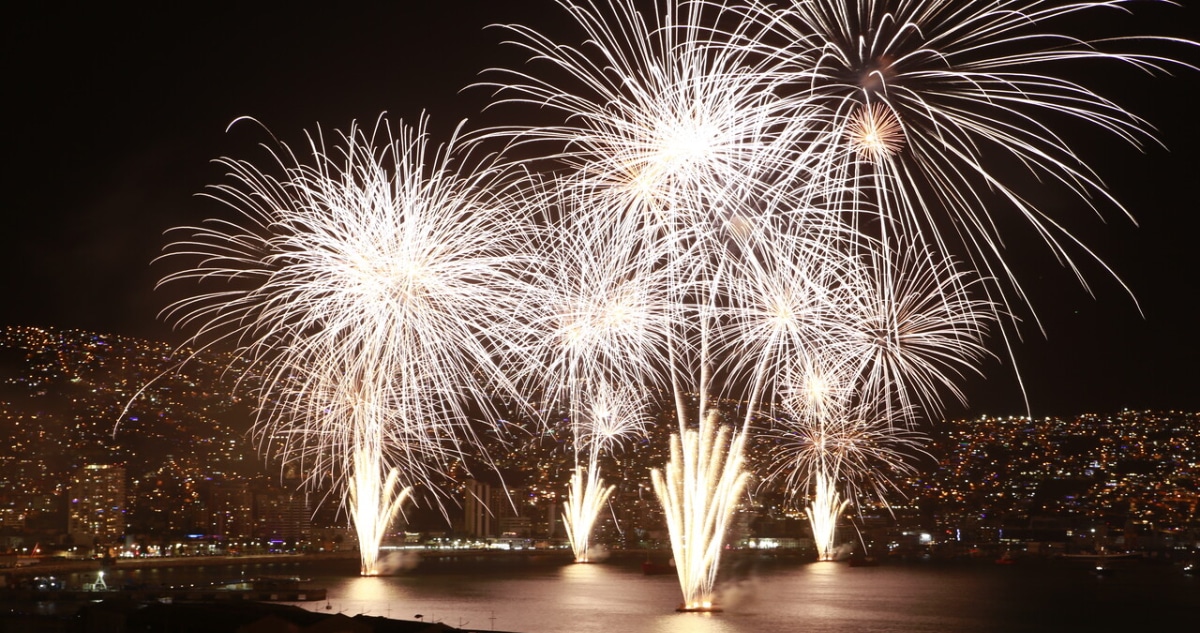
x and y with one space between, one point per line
114 115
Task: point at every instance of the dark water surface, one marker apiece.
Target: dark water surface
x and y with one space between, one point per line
547 597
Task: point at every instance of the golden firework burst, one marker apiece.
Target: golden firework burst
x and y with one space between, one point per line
875 132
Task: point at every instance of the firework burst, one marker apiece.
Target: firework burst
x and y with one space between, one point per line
935 98
661 133
603 321
372 289
600 422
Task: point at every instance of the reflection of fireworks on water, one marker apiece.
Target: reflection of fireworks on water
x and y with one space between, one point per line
370 290
699 490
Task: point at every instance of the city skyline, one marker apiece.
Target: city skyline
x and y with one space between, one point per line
115 142
1113 467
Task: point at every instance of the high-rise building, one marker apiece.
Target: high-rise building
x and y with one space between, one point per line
96 507
477 519
284 515
229 509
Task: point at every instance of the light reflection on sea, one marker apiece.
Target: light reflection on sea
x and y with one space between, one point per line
817 597
527 596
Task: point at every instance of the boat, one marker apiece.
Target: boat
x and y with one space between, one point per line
1102 556
1104 563
711 608
651 568
863 561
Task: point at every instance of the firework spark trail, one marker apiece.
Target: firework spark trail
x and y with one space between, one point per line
839 462
609 416
662 136
677 143
903 332
605 309
921 326
372 290
929 96
827 507
660 126
383 497
585 500
789 295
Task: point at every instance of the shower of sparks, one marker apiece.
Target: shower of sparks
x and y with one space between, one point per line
660 127
382 497
603 322
837 447
700 489
942 97
600 422
371 289
915 333
585 500
666 132
781 202
823 515
607 417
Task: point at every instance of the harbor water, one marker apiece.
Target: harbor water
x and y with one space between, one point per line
530 595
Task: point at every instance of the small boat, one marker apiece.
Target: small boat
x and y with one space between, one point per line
708 608
863 561
651 568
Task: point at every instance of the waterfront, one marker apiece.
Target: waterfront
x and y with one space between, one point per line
531 595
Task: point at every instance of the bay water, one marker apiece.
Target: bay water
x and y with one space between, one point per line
532 595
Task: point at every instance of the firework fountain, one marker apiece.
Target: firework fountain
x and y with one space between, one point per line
700 488
585 501
609 417
755 175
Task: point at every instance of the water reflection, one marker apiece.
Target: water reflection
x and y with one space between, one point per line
556 597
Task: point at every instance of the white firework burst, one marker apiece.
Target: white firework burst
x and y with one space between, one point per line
373 288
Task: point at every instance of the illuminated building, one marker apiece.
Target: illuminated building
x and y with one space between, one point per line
96 510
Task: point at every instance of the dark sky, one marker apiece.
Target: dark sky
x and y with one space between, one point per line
115 114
